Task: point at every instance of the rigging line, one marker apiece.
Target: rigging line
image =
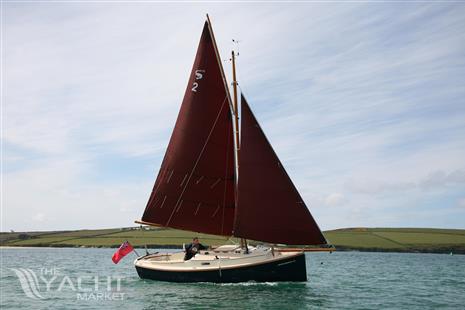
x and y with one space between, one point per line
198 159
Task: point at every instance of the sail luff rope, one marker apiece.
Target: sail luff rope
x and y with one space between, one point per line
197 161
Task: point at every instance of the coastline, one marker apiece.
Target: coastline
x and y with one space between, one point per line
361 239
448 251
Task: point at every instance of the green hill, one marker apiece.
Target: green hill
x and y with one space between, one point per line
398 239
361 239
152 237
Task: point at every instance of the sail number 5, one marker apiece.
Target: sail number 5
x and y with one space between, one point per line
198 76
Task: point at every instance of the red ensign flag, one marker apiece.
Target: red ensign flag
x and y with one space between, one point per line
123 250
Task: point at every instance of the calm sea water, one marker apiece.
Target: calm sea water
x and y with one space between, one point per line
87 278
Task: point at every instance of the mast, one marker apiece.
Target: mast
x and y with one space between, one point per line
236 111
236 127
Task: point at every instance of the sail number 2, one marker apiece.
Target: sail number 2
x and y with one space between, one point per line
198 76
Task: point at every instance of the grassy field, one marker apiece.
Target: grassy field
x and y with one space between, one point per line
398 239
361 239
153 237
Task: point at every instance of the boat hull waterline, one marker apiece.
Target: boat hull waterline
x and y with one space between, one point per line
289 267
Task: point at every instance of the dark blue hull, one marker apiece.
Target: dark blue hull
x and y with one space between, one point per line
289 269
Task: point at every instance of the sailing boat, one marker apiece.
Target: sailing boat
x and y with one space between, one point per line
205 184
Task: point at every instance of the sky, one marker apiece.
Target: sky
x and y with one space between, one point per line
363 103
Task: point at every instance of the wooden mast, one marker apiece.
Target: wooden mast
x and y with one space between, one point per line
236 127
236 111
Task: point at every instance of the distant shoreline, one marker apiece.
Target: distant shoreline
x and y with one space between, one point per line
361 239
176 247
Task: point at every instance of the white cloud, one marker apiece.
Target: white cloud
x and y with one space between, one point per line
334 199
55 196
440 178
434 180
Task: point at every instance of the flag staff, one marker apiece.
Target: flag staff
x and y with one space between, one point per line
134 249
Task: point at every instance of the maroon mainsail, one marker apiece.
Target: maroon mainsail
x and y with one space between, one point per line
269 208
194 189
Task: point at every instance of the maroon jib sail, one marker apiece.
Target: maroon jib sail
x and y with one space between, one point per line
269 208
194 189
